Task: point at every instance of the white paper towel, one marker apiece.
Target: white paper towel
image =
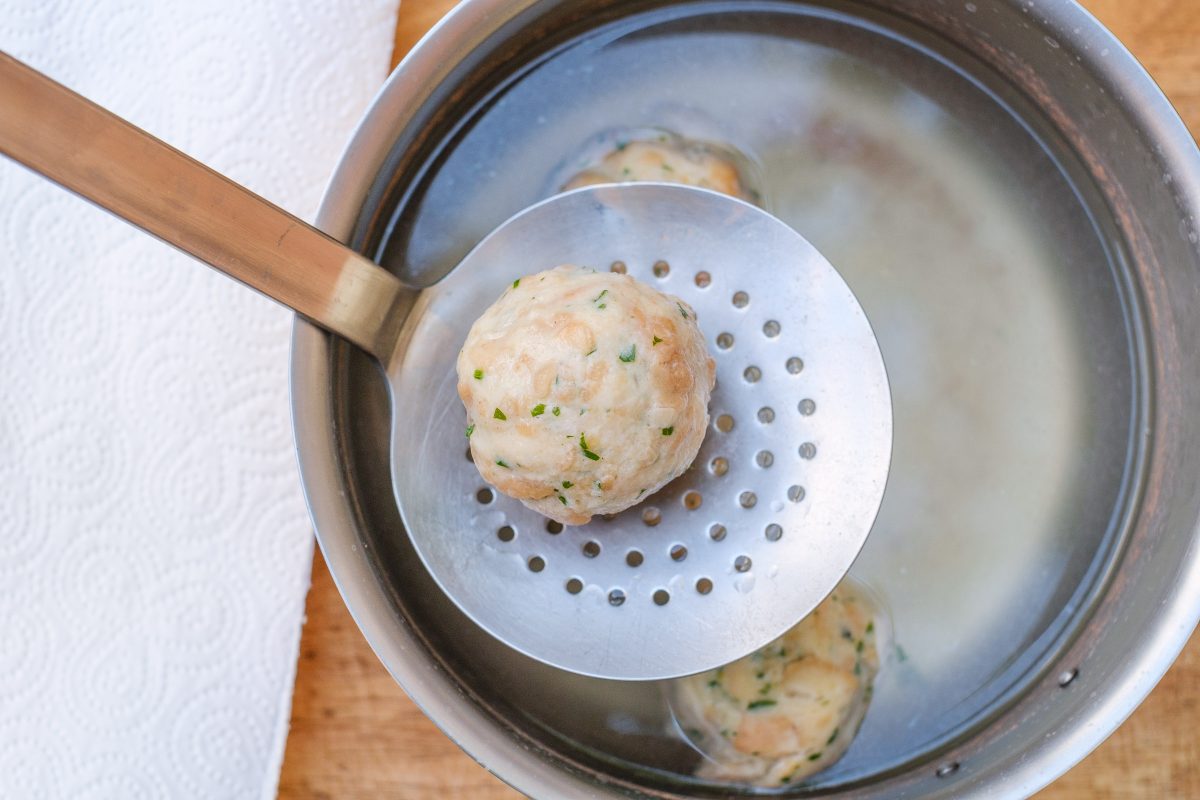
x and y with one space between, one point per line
154 545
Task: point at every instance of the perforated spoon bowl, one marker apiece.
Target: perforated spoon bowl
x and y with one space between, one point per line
726 558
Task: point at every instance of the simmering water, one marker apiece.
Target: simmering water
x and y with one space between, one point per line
992 293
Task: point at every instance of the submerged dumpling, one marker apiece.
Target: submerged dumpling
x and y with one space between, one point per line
667 158
585 391
790 709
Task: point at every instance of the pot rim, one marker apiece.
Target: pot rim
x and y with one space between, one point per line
397 645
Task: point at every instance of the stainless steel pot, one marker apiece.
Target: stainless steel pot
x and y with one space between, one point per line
1126 595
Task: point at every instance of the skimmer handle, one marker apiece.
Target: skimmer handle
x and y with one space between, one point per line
121 168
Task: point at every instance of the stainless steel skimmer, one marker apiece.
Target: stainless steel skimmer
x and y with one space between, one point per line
721 561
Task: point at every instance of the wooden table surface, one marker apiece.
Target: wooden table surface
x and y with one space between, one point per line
355 734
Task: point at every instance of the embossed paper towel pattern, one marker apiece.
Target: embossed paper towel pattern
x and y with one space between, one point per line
154 546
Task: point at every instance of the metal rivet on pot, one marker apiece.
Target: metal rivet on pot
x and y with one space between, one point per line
947 769
1067 676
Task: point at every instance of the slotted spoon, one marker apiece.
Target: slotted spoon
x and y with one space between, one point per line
718 563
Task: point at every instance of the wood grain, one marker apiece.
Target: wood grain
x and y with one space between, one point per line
355 734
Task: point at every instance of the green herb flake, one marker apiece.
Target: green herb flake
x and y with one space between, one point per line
555 411
871 626
832 736
500 463
714 683
682 310
562 499
755 704
858 648
629 354
765 690
470 430
567 484
668 431
600 296
667 167
538 410
516 283
654 342
587 451
498 414
621 146
589 352
478 374
626 171
815 756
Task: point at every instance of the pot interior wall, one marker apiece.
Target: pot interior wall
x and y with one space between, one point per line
983 254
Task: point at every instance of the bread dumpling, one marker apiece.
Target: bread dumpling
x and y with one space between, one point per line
585 391
790 709
669 159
